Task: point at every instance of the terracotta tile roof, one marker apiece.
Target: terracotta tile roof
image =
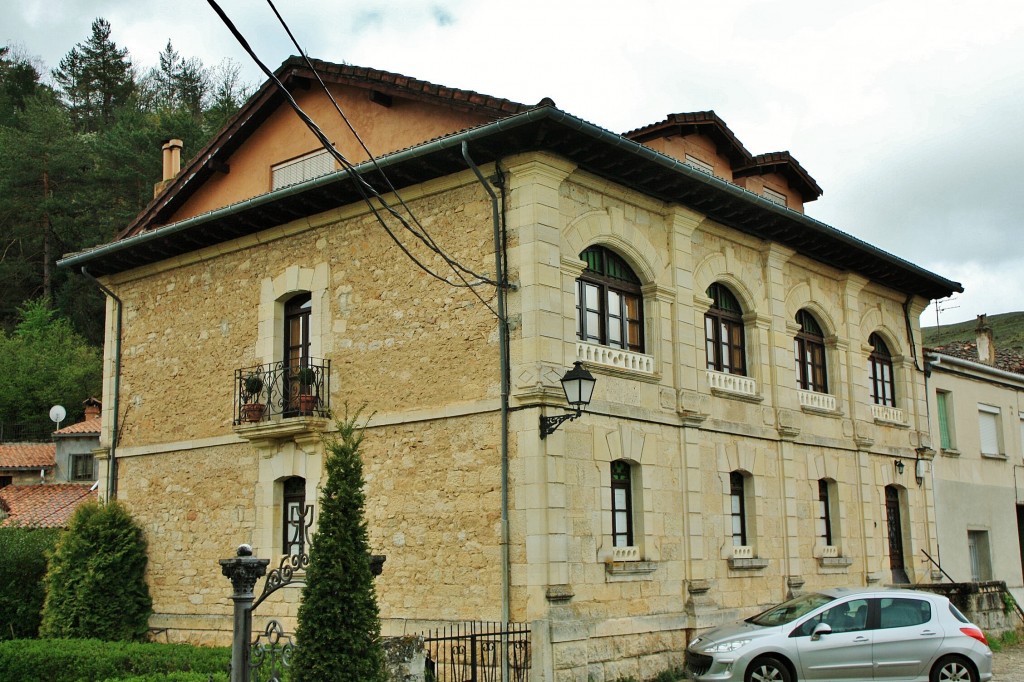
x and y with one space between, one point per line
87 426
28 456
1006 359
43 506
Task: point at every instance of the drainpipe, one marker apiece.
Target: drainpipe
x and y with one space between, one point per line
112 467
503 362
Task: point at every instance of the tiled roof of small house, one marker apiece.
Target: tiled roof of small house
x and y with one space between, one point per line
1007 360
85 427
28 455
43 506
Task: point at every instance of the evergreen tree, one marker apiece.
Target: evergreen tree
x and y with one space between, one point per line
96 78
95 585
19 80
338 637
43 363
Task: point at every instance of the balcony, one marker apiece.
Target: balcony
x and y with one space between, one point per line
281 390
821 402
732 384
885 413
617 358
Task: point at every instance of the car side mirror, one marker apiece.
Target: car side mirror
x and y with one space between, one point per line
819 630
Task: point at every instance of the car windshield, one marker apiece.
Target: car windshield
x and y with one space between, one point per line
789 611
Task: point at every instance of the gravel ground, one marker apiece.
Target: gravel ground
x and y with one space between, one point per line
1008 665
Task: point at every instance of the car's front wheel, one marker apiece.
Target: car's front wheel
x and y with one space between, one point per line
768 669
953 669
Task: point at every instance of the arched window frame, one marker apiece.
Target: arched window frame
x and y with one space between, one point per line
724 334
609 301
809 354
880 372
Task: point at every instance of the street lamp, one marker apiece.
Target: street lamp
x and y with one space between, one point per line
578 385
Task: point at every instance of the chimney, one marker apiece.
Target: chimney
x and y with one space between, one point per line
92 408
986 342
171 164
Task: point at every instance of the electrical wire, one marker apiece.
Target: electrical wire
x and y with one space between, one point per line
361 184
423 235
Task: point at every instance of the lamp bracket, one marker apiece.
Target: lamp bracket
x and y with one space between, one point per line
549 425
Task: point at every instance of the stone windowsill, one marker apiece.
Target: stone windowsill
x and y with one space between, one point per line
630 567
835 562
950 452
752 564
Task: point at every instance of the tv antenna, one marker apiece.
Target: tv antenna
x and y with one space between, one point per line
942 305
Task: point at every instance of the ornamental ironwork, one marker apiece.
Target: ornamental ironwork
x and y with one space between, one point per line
270 654
282 389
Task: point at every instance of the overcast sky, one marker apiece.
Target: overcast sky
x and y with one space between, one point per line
909 114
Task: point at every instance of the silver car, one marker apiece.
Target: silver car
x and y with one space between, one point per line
845 634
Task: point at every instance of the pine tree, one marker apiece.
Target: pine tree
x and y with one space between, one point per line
95 585
338 637
96 78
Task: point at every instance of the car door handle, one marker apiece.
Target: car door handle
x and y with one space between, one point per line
860 640
928 633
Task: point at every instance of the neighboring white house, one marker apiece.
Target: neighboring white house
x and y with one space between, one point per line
976 403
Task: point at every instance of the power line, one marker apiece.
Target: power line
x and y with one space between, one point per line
361 185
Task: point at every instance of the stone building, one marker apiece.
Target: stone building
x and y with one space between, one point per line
756 369
976 396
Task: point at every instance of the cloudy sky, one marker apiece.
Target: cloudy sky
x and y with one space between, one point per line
908 113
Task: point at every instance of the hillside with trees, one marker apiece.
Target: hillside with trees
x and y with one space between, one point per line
1007 330
79 155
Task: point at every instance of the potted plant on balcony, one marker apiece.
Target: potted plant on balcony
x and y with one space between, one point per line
306 377
252 390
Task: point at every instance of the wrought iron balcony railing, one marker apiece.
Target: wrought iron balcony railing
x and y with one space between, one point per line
282 389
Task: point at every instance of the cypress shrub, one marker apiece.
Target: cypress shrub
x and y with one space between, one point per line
338 635
95 586
23 554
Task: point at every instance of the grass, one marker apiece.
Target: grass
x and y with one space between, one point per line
1007 329
1011 638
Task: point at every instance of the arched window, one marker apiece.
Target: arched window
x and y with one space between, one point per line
738 508
723 332
609 306
809 350
880 366
293 507
622 504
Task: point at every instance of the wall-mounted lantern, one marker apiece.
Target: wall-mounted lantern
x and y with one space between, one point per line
899 467
578 385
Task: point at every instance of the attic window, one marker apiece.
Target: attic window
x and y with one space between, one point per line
696 164
306 167
774 197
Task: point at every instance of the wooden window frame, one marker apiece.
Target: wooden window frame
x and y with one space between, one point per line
293 496
616 304
724 333
882 375
622 503
738 508
824 511
810 354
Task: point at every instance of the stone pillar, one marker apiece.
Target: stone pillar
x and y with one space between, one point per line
243 570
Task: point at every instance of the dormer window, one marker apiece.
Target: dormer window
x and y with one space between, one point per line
809 351
609 305
774 197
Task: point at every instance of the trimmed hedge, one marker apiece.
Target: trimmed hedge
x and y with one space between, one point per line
91 660
23 554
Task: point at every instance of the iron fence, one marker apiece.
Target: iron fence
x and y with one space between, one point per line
478 652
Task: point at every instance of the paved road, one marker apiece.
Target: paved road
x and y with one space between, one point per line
1008 665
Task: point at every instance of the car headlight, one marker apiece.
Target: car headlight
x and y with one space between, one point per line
726 647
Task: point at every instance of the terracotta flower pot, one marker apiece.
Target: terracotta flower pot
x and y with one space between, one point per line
253 412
